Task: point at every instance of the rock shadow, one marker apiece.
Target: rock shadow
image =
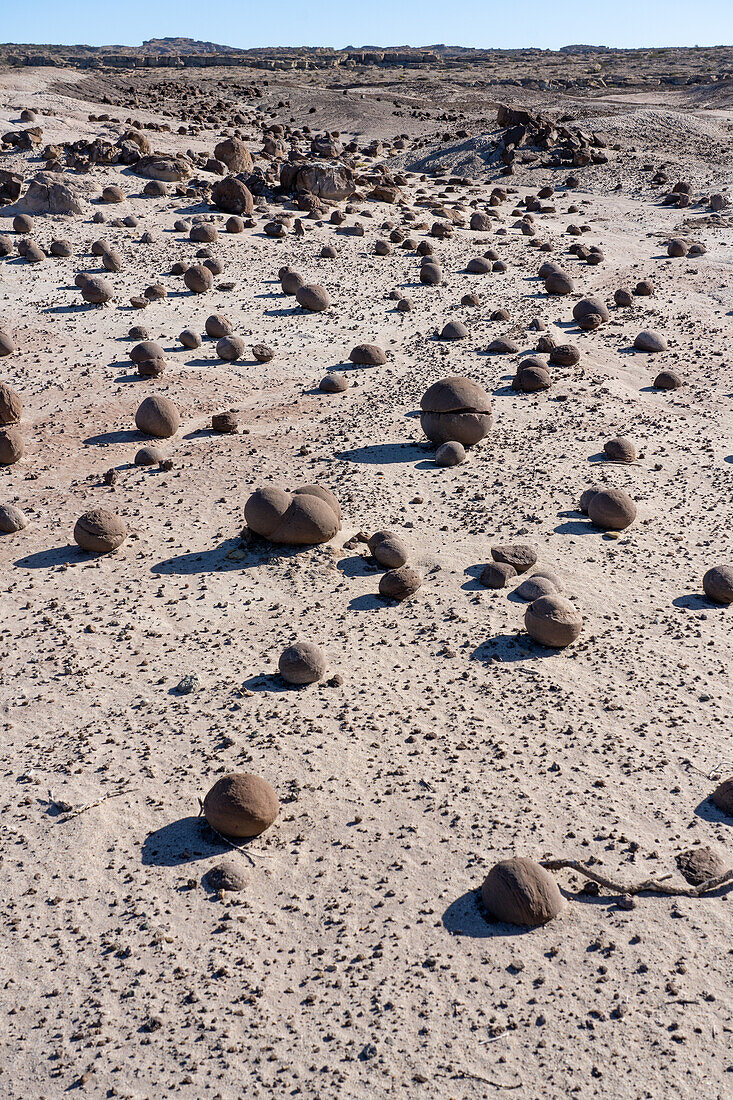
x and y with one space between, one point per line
59 555
466 917
378 454
180 842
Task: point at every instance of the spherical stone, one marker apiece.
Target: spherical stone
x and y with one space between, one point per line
520 555
470 300
34 254
12 446
399 584
156 292
231 348
225 422
480 223
23 223
147 349
198 279
158 416
644 289
138 332
454 330
553 621
405 305
623 297
333 383
302 663
232 196
586 497
677 247
7 347
190 339
149 456
532 588
12 519
96 290
203 233
11 406
450 454
697 865
718 584
155 189
667 380
99 531
497 574
564 355
382 248
262 353
620 449
549 267
588 307
111 260
588 322
559 283
228 876
502 346
180 267
650 341
241 805
722 796
313 297
455 409
328 252
479 266
151 368
290 281
520 891
612 509
531 377
100 247
113 194
235 224
306 517
388 549
7 247
368 355
431 274
217 325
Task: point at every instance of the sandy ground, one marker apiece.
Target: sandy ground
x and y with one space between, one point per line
357 963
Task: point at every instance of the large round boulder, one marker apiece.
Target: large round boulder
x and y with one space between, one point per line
520 891
302 663
232 196
612 509
241 805
158 416
305 517
455 408
11 406
718 584
553 621
99 531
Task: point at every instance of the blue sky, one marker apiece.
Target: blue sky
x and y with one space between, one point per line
338 23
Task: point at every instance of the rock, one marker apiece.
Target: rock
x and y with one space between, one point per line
11 406
99 531
170 169
520 555
454 330
232 196
644 289
231 348
612 509
559 283
241 805
313 297
455 409
590 307
190 339
61 248
620 449
23 224
497 574
531 377
113 194
479 266
480 223
149 456
623 297
12 519
388 549
302 663
147 349
368 355
290 281
333 383
718 584
502 346
11 185
227 877
331 183
450 454
158 416
156 189
235 224
262 353
53 193
203 233
534 587
234 154
96 290
12 447
198 279
722 796
667 380
553 621
225 422
697 865
307 516
651 341
677 247
564 355
431 274
520 891
399 584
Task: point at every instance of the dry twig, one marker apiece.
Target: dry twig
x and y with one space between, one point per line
654 886
70 813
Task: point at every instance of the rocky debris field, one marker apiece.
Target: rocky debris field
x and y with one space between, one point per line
365 526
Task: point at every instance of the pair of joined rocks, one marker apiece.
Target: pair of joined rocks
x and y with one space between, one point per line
305 517
611 509
455 409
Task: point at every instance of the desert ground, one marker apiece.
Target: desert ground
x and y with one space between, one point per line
357 958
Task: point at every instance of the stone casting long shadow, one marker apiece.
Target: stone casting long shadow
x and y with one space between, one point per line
464 917
180 842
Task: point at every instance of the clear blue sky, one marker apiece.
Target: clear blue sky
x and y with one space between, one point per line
480 23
